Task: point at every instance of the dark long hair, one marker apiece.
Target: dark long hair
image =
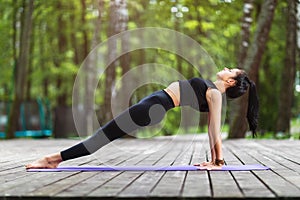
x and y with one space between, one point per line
240 88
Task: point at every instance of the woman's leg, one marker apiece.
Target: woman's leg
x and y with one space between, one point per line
148 111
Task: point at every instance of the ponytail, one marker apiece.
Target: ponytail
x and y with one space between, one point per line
253 106
243 83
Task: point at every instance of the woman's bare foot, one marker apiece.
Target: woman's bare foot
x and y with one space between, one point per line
51 161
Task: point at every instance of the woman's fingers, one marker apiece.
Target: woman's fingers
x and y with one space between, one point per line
203 163
210 167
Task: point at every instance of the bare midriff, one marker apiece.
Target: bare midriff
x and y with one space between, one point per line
174 92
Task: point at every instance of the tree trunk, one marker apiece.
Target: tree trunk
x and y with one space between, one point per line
42 61
74 43
21 68
124 60
245 33
243 49
239 125
30 67
85 45
90 72
62 46
298 29
118 17
14 34
88 101
199 28
289 72
261 36
61 98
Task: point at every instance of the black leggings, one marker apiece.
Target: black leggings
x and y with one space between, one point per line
149 111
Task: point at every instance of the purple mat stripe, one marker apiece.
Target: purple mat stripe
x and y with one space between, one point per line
149 168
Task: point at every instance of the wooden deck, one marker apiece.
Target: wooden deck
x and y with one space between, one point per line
281 182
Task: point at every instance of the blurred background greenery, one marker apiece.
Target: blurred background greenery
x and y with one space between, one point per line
43 44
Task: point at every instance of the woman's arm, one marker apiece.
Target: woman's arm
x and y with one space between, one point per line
212 149
211 143
214 99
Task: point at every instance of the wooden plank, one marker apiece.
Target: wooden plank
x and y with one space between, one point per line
282 161
85 187
280 182
171 184
142 186
57 187
40 181
223 185
279 185
197 183
286 148
12 175
284 153
117 185
25 185
88 186
249 184
13 185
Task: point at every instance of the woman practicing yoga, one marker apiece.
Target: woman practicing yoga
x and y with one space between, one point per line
202 95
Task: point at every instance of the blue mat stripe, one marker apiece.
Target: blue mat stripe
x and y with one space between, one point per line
150 168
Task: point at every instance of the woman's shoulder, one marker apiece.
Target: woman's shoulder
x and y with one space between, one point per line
213 95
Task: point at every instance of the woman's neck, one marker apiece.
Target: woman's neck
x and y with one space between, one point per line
220 85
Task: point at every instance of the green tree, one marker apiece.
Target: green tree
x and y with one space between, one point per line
90 63
251 65
64 32
118 19
289 72
21 67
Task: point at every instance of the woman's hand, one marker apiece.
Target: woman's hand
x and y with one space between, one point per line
210 166
204 164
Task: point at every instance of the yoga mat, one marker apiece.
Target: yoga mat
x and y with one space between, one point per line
149 168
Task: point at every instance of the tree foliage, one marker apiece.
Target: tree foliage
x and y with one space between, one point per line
63 33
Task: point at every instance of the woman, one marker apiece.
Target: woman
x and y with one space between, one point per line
202 95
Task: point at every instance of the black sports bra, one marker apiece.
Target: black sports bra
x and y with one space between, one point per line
193 93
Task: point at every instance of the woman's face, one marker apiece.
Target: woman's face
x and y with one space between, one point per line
227 74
